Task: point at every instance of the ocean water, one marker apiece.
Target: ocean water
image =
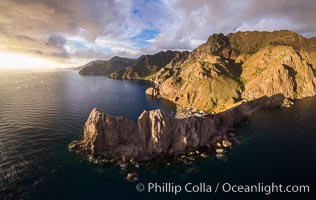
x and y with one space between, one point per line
42 112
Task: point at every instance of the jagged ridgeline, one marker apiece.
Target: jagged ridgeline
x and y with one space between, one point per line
106 67
226 70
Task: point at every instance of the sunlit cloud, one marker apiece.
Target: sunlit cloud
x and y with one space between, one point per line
76 31
24 61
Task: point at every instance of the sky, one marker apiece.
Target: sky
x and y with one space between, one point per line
59 33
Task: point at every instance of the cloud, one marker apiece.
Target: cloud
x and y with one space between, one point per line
76 30
194 21
57 41
33 26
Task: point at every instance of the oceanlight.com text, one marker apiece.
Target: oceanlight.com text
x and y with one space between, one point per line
203 187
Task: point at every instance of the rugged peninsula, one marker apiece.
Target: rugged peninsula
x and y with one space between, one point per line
240 66
215 86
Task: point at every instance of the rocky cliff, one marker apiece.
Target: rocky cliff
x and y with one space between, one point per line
157 133
278 69
240 66
106 67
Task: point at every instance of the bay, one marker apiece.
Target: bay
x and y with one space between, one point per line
42 112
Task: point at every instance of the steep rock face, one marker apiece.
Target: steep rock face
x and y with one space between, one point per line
217 45
312 48
106 67
242 65
147 65
278 70
198 84
155 133
103 133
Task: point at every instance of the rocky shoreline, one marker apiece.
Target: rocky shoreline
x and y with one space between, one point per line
111 139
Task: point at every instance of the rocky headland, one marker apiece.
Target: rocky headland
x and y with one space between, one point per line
157 133
216 87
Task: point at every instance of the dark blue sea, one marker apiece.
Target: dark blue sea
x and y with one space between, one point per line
42 112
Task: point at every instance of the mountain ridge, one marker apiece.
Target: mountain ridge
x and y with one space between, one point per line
225 70
147 65
106 67
230 68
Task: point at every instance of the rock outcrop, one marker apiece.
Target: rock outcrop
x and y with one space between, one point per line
278 70
157 133
106 67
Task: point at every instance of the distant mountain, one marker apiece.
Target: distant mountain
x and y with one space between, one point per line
147 65
106 67
227 70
